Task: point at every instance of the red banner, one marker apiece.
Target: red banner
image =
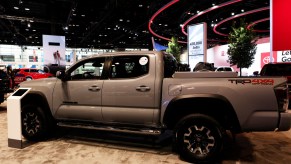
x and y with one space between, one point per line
281 25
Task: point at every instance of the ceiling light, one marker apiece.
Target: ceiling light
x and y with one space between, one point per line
213 4
198 11
27 9
16 8
28 24
242 10
82 15
166 25
120 20
232 13
128 20
140 5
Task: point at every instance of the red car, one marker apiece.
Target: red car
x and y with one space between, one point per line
23 74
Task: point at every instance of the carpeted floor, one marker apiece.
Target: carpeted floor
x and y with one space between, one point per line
70 146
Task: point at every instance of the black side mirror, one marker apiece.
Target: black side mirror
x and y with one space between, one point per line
61 75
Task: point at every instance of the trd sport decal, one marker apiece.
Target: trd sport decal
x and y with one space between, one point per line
252 81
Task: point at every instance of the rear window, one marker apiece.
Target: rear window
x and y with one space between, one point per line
228 69
276 70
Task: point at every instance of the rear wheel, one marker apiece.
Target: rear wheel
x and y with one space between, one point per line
28 78
199 138
35 125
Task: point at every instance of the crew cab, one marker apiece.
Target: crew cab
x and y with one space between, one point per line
140 92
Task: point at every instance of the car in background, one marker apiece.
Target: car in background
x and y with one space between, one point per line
203 66
278 69
30 74
224 69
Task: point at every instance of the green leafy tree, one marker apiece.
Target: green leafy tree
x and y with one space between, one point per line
242 46
174 48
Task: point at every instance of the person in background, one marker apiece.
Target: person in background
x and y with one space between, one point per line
57 57
10 74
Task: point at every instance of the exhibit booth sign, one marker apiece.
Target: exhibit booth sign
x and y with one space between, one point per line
14 117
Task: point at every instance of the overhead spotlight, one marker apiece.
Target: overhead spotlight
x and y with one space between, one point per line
232 13
242 10
65 28
28 24
16 8
27 9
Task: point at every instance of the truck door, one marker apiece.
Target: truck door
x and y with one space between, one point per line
79 97
129 94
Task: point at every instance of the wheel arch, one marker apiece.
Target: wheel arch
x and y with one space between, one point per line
40 99
28 77
213 105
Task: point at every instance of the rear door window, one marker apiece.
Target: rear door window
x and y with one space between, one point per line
129 66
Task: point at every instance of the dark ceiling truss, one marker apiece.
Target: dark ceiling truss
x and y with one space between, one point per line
118 23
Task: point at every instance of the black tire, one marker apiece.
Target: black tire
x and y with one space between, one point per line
35 125
199 138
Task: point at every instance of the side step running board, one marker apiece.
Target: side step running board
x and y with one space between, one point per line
155 132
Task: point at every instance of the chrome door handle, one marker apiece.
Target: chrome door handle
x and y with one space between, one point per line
94 88
143 88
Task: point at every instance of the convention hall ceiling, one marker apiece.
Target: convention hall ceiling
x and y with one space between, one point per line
125 23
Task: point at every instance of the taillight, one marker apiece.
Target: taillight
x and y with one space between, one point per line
281 92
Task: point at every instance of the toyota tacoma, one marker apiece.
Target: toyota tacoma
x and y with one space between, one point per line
140 92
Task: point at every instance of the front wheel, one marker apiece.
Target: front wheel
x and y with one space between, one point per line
34 123
199 138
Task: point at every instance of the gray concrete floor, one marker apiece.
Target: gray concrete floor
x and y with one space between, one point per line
70 146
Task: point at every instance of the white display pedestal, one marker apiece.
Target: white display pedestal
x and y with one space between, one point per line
14 117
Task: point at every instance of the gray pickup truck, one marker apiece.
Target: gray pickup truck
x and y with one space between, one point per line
139 92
